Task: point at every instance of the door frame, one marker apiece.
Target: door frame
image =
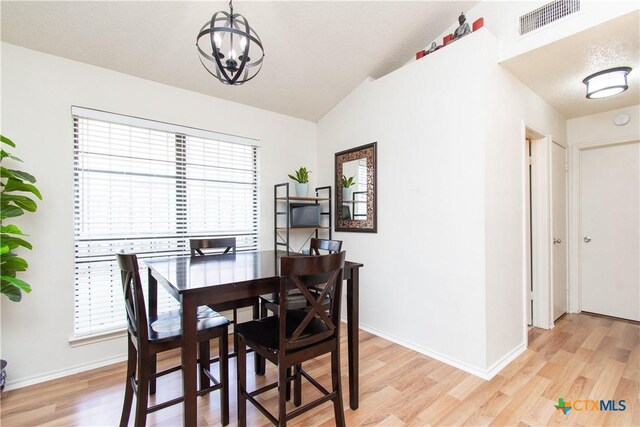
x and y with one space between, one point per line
575 214
551 231
541 240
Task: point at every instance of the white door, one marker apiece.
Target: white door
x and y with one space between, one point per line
610 230
559 229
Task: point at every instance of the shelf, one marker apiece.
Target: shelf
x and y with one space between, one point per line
303 228
283 216
304 199
353 201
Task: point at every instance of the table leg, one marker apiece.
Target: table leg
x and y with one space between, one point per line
189 360
353 320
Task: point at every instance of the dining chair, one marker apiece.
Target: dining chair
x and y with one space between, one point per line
219 246
293 337
148 336
296 301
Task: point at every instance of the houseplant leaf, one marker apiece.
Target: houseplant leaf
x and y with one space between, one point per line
18 283
13 184
7 211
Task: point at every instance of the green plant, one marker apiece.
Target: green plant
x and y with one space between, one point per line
302 175
14 201
348 182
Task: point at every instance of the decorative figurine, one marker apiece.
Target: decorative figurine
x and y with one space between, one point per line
433 48
463 29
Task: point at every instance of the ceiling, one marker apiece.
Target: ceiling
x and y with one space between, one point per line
316 52
555 71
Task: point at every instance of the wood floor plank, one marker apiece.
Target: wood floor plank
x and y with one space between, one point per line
583 357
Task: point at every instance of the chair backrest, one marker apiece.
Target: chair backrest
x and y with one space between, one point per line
223 244
133 296
331 246
301 273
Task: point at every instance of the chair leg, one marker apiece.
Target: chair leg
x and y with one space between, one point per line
241 362
282 398
235 337
260 362
297 386
224 375
142 399
152 370
205 364
288 385
336 383
128 387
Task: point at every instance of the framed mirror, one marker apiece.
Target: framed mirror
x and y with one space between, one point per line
355 181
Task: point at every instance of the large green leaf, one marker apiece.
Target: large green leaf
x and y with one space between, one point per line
14 264
23 175
8 211
4 154
7 141
10 291
6 173
17 185
14 242
4 249
23 202
10 229
19 283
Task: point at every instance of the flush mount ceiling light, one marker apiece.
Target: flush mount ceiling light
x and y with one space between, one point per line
607 83
224 44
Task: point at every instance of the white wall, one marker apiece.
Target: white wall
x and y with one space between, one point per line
600 127
502 19
597 129
444 274
37 93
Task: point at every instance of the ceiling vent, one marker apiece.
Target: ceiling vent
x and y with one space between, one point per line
547 14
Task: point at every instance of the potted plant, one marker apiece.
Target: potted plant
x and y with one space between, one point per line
302 181
16 198
347 183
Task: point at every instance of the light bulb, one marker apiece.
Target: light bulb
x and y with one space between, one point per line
232 54
217 40
243 43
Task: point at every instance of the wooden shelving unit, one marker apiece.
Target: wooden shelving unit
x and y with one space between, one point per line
282 216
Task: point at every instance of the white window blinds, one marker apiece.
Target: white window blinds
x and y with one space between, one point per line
148 189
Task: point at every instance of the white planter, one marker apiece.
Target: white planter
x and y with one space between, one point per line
347 193
302 189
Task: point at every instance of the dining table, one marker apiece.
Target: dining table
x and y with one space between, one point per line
199 281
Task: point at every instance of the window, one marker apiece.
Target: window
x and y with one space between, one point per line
147 187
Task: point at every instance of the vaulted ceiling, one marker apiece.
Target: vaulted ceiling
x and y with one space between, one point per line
316 52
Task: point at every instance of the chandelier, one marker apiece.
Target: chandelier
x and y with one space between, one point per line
225 43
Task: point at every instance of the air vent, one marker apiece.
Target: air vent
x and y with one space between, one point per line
547 14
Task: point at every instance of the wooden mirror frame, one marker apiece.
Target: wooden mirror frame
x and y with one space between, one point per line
369 225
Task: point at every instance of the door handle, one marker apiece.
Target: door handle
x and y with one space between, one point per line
587 239
557 241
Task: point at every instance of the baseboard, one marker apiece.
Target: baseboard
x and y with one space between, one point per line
36 379
473 370
505 360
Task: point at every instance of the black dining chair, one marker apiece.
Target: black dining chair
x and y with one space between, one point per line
214 246
148 336
293 337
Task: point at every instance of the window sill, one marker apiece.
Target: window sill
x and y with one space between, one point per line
96 338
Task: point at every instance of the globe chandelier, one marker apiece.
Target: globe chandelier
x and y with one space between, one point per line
225 44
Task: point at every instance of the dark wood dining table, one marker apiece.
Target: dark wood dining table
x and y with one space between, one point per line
198 281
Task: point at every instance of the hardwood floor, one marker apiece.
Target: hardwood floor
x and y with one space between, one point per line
583 357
